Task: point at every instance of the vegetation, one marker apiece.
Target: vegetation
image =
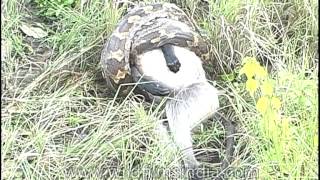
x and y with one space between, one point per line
59 120
53 8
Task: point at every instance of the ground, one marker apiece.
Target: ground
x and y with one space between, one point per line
60 121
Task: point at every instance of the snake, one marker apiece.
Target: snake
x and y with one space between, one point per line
144 28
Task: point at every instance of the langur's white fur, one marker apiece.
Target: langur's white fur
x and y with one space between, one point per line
193 100
154 65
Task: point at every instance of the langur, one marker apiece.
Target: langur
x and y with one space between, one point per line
177 72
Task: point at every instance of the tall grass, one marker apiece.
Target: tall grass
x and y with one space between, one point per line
59 121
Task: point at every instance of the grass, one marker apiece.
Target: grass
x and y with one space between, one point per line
59 121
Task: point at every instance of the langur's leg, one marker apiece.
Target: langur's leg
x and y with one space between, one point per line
171 59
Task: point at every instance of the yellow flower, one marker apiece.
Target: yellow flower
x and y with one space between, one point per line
276 103
247 70
267 88
250 66
261 72
262 104
251 86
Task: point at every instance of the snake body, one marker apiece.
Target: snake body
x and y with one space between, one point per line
142 29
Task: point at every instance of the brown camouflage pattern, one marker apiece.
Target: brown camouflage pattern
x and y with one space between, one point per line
145 28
